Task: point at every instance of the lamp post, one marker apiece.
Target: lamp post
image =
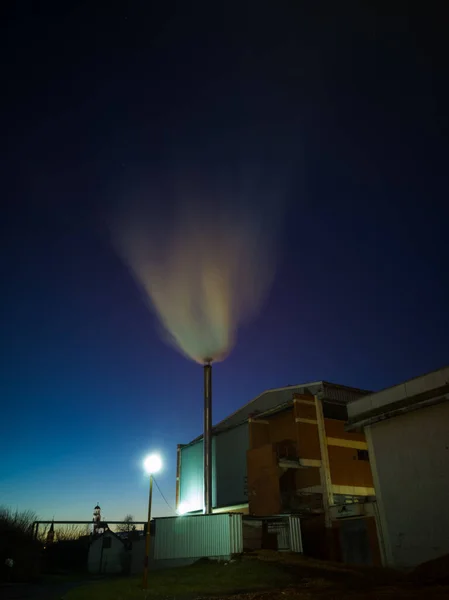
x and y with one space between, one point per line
152 464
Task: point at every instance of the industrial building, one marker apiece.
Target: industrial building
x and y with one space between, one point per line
287 452
407 431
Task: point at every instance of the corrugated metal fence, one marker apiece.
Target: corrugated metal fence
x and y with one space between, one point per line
295 533
278 532
198 536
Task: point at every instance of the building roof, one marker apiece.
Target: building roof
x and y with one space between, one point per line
415 393
278 397
107 532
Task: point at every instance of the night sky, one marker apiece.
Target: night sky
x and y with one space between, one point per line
342 106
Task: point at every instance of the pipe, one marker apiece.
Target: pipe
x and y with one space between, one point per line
207 449
178 475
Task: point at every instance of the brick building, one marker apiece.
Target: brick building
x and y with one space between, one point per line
287 452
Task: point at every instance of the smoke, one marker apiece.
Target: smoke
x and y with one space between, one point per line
207 273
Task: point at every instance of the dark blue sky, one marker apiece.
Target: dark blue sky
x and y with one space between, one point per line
348 111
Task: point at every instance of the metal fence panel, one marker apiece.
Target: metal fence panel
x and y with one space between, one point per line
279 527
295 534
198 536
236 530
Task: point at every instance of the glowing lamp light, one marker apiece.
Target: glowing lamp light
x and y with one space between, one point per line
183 508
152 464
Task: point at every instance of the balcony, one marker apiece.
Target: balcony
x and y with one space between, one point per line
286 451
302 502
288 457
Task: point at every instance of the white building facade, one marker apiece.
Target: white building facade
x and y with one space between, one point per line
407 431
106 554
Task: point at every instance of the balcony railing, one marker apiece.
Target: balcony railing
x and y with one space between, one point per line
286 450
302 502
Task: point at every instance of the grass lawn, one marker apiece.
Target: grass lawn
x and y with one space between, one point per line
201 578
55 578
266 575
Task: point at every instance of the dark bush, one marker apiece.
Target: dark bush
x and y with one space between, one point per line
67 555
17 543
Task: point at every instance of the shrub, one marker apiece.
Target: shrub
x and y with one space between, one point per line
17 543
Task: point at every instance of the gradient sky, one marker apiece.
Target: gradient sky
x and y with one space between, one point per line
347 113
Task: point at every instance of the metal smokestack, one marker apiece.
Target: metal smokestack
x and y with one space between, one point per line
207 437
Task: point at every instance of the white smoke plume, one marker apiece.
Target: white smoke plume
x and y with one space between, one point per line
205 276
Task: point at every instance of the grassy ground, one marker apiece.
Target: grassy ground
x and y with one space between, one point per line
265 576
201 578
56 578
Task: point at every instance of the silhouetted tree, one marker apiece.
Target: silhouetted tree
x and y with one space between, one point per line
18 545
70 532
128 524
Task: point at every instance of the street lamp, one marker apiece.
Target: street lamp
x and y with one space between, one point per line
152 464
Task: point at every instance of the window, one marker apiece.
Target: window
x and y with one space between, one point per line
362 455
335 411
107 542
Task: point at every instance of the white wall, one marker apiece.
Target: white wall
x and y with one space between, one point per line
408 389
112 559
409 456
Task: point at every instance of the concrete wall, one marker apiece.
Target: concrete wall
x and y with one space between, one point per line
106 560
410 460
